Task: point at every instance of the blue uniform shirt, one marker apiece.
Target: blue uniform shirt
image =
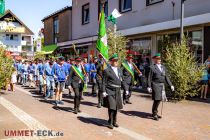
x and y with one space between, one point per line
87 67
48 73
40 68
68 66
19 68
60 71
93 67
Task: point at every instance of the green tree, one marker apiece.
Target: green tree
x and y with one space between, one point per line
39 55
117 43
6 67
183 69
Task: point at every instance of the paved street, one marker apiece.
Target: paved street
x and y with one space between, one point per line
26 110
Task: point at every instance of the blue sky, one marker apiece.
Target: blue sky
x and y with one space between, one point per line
31 12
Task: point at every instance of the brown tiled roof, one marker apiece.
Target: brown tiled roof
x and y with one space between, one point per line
57 12
28 31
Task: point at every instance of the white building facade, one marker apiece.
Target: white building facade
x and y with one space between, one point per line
145 23
15 36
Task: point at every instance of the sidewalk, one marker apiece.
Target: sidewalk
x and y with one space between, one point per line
187 120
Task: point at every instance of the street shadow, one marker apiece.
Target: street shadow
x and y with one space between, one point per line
1 92
67 109
88 94
95 121
34 92
147 96
29 88
139 90
197 99
47 101
67 96
137 114
82 103
68 101
38 96
88 103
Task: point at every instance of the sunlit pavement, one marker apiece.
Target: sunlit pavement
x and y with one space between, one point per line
26 110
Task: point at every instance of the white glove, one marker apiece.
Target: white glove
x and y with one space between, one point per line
140 75
104 94
149 90
126 93
172 88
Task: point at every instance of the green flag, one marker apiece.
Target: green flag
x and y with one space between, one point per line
2 7
113 17
101 45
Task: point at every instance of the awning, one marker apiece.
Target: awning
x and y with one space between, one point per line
49 49
188 21
77 46
79 41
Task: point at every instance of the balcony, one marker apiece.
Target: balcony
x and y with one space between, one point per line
26 43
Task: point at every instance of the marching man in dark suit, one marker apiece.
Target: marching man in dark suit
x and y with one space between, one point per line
77 80
112 81
128 70
156 84
99 77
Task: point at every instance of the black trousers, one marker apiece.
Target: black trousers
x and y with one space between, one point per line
100 92
19 79
94 87
112 116
78 96
155 106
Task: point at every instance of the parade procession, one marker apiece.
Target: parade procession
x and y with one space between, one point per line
105 69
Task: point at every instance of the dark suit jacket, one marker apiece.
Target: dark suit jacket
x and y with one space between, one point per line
155 78
127 79
99 75
114 94
73 79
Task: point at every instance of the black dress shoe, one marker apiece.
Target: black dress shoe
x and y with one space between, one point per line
79 111
128 102
160 117
124 102
115 125
75 111
155 118
110 126
99 105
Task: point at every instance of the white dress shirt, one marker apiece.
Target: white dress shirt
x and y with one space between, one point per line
130 65
79 68
160 67
115 69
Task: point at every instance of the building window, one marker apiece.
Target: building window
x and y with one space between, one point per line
55 29
100 5
56 25
86 14
125 5
7 37
15 37
22 37
11 37
150 2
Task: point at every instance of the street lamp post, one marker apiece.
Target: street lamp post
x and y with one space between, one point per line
181 21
